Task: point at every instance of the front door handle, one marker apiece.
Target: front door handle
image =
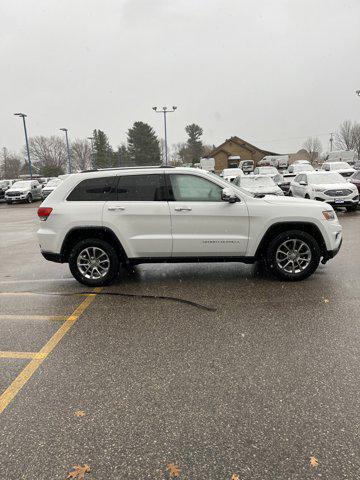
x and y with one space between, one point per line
116 207
182 209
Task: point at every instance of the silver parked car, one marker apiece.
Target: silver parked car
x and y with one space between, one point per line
23 191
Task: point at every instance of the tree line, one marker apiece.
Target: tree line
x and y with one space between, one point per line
142 148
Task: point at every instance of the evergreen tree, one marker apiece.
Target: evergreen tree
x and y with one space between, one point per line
143 145
103 154
194 144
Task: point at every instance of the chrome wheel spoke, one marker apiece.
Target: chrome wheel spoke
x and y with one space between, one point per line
293 256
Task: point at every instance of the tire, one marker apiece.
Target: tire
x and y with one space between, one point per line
307 197
29 198
351 208
109 261
290 193
276 261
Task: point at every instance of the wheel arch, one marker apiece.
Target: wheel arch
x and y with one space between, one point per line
81 233
280 227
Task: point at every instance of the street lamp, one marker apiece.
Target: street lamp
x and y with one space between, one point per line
164 111
92 150
67 147
23 116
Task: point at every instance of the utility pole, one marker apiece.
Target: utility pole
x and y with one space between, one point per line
5 161
23 116
331 141
92 151
165 111
67 148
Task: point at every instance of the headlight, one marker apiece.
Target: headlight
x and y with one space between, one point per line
329 214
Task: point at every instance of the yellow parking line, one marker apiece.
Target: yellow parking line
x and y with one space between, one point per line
32 317
17 384
18 354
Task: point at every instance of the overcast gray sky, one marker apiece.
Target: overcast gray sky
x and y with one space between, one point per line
269 71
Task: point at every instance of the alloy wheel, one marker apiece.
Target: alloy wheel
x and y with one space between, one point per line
293 256
93 263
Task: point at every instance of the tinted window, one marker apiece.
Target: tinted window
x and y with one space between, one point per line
94 189
141 188
192 188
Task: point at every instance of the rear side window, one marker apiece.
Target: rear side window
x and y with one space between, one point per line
94 190
141 188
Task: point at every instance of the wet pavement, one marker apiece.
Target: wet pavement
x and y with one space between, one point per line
255 387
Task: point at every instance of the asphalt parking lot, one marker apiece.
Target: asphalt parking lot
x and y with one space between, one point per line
263 384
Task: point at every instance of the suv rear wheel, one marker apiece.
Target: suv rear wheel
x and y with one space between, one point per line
293 255
29 198
94 262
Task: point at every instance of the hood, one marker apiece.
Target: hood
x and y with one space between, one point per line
334 186
280 200
15 189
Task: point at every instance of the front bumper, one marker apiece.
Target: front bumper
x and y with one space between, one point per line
329 254
344 201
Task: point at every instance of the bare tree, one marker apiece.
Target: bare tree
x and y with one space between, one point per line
48 154
314 148
10 164
348 136
81 154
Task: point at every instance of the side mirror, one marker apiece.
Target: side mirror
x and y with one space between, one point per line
303 183
228 195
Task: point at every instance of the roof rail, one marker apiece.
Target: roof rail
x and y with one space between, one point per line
142 167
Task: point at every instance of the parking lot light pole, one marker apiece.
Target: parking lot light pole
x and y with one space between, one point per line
67 147
165 111
23 116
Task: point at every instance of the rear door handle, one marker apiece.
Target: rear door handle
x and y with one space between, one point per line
116 207
181 209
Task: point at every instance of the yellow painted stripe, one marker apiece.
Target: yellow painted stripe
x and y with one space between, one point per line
18 354
13 389
32 317
33 294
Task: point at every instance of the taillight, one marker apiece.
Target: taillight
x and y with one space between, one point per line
44 212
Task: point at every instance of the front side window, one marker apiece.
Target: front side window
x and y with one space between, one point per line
191 188
94 190
141 188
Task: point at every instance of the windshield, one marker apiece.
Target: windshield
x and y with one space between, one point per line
304 167
23 184
253 182
338 165
268 170
53 183
231 171
323 178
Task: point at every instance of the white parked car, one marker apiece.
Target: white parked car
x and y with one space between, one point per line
341 167
97 220
329 187
50 186
300 167
229 174
247 166
299 162
258 185
24 191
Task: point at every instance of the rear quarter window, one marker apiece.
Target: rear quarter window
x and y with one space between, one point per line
94 190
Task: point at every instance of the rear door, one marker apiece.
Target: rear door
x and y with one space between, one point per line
202 224
140 215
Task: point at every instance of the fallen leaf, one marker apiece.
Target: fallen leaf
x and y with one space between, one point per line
326 300
80 413
173 469
79 472
235 477
314 462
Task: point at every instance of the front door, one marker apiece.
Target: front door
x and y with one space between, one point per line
202 224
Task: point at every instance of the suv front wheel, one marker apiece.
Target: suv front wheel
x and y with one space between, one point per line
94 262
293 255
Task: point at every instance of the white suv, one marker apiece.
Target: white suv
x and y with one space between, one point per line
96 220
